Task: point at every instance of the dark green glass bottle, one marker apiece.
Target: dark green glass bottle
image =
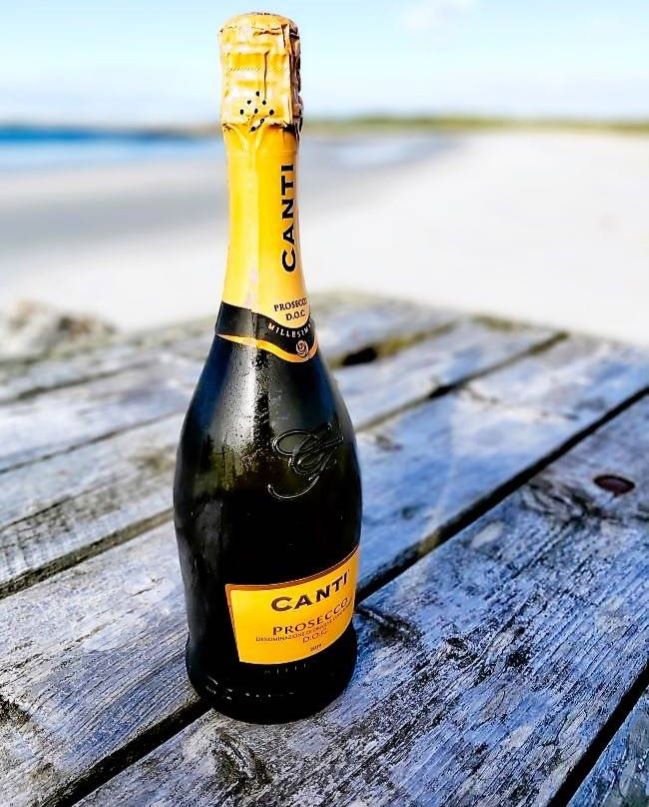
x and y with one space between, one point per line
267 494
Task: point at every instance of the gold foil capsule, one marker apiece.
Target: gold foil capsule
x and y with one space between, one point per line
260 56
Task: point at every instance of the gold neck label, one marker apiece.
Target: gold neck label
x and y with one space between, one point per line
265 303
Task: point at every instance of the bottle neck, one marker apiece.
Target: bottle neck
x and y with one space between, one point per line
264 298
264 268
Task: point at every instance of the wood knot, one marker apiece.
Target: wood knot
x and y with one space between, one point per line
391 627
617 485
364 356
459 650
11 712
386 443
242 759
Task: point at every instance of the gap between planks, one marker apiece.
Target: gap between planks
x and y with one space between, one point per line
450 358
582 785
493 499
402 323
579 402
141 746
563 480
121 393
620 777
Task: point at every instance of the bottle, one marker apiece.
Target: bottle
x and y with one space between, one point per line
267 495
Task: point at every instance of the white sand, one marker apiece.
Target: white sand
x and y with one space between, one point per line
551 228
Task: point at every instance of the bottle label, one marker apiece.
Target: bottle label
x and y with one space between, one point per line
285 622
265 304
253 328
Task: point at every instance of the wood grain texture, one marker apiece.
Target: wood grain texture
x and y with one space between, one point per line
89 686
82 646
84 698
66 367
620 777
425 471
485 670
355 327
64 402
70 416
429 367
70 504
345 326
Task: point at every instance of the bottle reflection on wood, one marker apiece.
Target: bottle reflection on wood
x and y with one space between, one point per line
267 494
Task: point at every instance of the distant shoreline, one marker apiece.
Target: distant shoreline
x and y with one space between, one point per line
28 133
24 150
36 134
475 123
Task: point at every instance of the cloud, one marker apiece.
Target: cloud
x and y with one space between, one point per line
430 15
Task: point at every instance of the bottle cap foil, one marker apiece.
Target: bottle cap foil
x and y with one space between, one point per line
260 58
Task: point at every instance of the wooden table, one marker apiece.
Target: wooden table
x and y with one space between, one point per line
504 598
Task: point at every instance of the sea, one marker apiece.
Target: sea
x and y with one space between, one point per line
25 148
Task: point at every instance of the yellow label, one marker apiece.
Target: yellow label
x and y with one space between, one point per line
264 265
265 303
290 621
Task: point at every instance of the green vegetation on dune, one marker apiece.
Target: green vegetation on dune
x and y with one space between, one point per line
379 123
453 123
459 123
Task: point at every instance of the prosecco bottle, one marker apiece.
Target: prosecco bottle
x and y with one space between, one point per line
267 495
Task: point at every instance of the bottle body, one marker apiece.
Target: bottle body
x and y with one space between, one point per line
267 493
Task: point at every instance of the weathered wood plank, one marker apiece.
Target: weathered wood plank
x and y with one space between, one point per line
426 471
344 327
114 488
48 424
485 670
383 326
70 413
52 729
620 777
352 328
432 366
70 505
70 367
124 651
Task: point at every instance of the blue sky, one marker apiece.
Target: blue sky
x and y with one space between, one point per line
146 61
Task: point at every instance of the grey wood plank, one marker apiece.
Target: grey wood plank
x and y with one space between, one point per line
72 505
109 490
469 348
51 730
123 650
485 670
385 325
356 327
425 471
345 326
620 777
68 412
65 367
59 420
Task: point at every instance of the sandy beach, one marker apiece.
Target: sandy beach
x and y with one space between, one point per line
550 228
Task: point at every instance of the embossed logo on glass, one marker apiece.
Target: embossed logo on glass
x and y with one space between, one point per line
309 454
